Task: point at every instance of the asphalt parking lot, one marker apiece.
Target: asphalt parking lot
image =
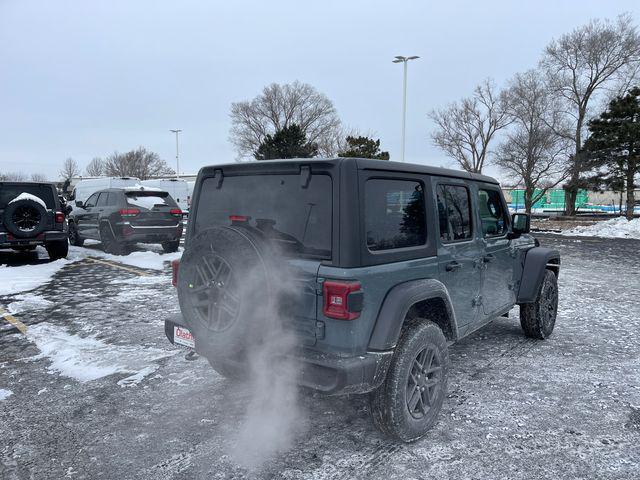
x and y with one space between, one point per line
98 392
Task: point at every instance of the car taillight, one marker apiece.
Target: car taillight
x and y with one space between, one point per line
59 217
175 268
176 212
238 218
129 212
342 300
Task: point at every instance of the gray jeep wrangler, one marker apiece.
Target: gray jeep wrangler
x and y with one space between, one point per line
376 266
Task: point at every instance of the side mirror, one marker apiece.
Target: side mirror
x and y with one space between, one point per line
79 204
520 223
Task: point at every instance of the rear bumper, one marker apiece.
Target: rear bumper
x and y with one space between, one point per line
150 234
329 373
8 241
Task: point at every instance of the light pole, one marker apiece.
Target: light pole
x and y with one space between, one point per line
404 60
177 153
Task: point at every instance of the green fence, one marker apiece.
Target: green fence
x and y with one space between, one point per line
552 200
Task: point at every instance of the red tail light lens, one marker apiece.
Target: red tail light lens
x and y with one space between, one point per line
176 212
175 268
129 212
59 217
342 300
238 218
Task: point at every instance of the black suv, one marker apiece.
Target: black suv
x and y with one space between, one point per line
376 267
119 218
31 215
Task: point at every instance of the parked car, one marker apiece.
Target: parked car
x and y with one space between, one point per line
88 186
375 266
31 215
177 188
120 217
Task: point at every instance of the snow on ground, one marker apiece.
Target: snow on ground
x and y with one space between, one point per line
28 302
151 257
86 359
155 280
4 394
27 277
618 227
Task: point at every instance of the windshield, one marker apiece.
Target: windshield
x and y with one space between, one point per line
299 219
10 191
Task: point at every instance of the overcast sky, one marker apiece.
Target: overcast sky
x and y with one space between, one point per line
85 78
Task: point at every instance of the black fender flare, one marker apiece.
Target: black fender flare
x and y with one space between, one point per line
536 261
397 303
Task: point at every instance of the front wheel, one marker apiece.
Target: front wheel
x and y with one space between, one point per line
538 318
74 236
408 402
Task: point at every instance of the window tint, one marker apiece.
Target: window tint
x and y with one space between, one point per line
394 214
91 201
295 218
103 200
492 213
149 200
454 213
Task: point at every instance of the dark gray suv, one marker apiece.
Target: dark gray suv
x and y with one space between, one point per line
376 266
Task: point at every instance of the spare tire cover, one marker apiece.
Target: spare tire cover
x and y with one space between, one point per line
25 218
226 288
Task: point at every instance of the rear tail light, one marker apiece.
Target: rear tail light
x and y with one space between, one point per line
176 212
129 212
59 217
175 268
342 300
239 218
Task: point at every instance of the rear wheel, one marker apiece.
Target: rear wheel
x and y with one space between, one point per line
74 236
538 318
170 247
408 402
109 243
58 249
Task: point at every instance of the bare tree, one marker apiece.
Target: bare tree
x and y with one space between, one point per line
95 167
278 107
13 177
466 128
38 177
138 163
579 65
531 153
69 169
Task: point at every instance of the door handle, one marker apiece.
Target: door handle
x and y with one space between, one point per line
488 258
451 266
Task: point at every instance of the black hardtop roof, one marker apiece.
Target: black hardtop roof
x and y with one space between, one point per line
362 163
48 184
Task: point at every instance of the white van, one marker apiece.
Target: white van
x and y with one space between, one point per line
87 187
177 188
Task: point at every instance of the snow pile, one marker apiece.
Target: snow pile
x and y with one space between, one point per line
28 196
28 302
86 359
4 394
141 259
618 227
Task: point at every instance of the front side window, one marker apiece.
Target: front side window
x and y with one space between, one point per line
103 200
493 214
91 201
394 214
454 213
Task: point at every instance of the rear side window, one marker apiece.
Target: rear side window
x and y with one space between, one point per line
454 213
8 192
149 200
394 214
493 214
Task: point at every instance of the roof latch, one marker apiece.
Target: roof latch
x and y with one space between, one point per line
305 176
217 173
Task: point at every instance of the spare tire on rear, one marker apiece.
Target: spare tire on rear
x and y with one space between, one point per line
25 218
227 292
